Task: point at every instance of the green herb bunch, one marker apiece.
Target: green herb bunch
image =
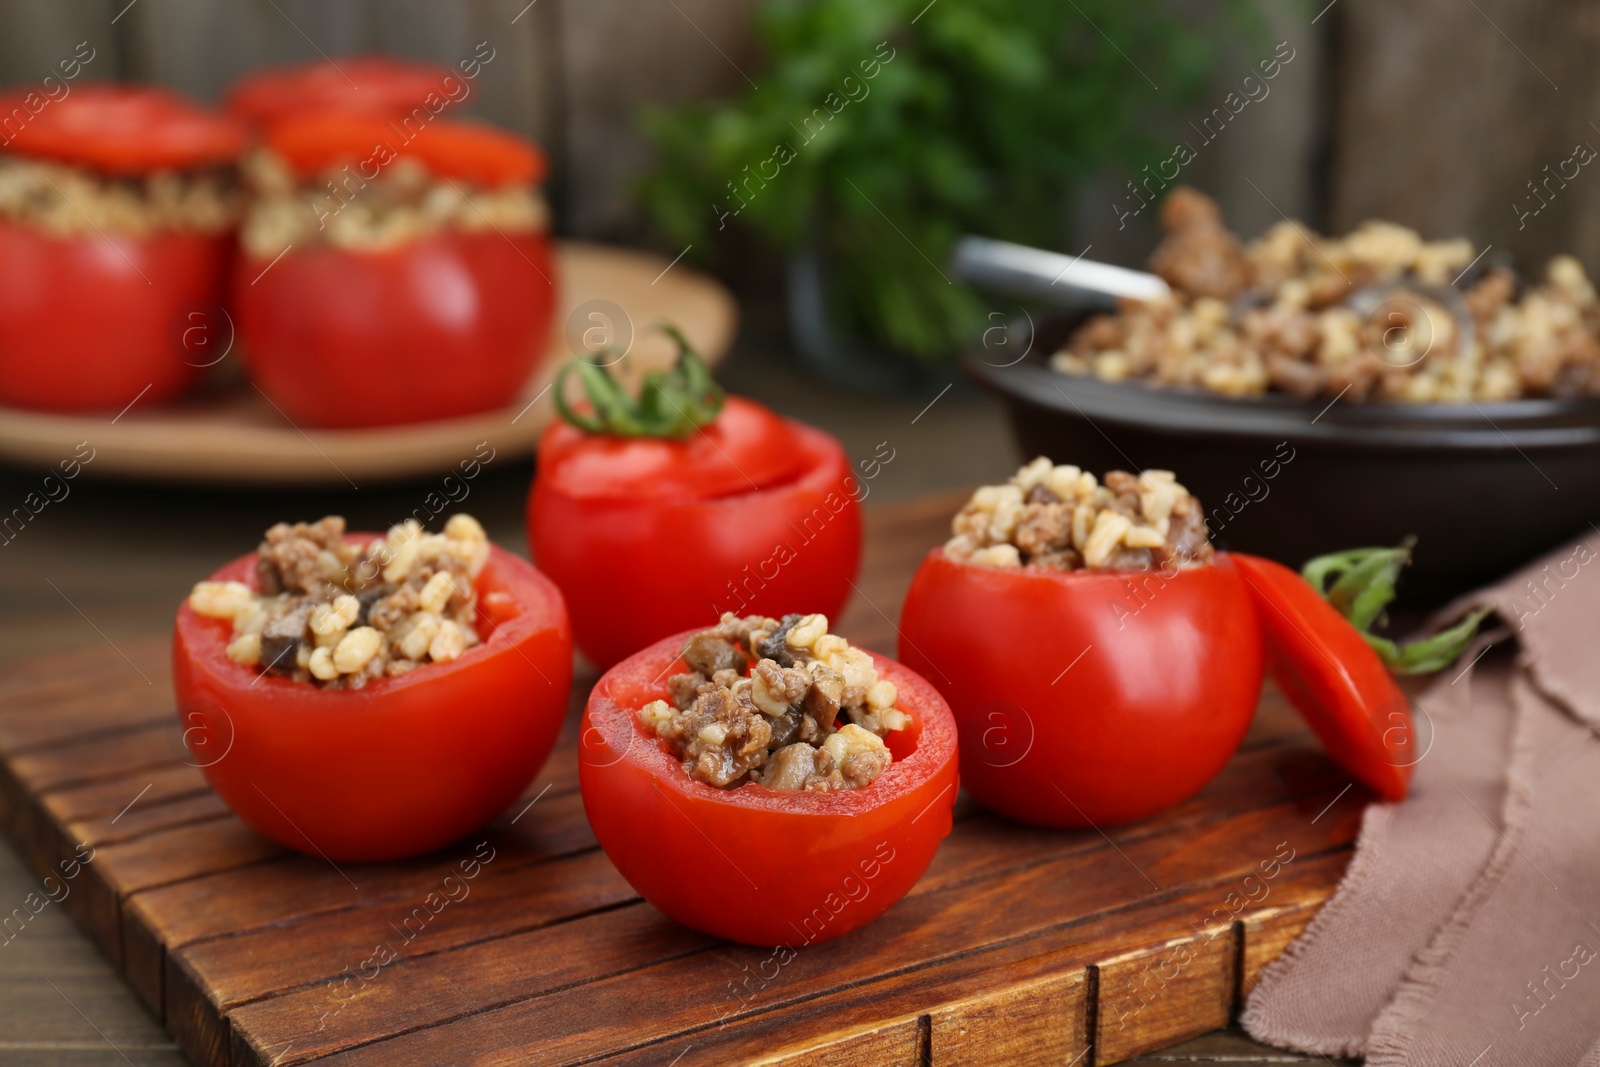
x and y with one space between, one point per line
882 130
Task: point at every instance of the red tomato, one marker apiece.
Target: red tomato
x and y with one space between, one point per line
751 514
446 325
402 766
1329 672
87 322
119 129
753 864
380 84
1086 699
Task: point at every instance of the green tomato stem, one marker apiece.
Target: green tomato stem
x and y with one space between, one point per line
1362 586
671 404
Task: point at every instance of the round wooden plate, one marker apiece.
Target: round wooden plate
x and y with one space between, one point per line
228 432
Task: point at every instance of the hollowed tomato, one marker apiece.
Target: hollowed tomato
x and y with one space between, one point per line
752 513
397 768
1086 699
751 864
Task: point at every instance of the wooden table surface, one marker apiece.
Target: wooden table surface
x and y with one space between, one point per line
104 569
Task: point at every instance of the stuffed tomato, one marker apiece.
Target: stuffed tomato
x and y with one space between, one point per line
1101 661
765 781
393 271
367 697
682 504
118 208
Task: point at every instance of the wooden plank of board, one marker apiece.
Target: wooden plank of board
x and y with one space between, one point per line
41 35
1023 1003
229 903
661 1000
239 965
34 683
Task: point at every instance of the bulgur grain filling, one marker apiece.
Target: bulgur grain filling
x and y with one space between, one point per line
402 203
73 201
338 614
1061 517
763 703
1272 316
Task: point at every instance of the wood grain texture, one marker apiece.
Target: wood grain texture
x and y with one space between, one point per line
618 57
1445 112
40 34
200 46
1017 946
1025 1023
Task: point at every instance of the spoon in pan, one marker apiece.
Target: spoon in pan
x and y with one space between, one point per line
1072 281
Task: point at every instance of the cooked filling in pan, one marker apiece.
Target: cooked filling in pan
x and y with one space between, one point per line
1373 315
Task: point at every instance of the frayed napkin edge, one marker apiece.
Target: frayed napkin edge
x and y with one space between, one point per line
1419 987
1258 1018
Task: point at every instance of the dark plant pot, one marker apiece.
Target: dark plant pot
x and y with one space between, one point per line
1477 484
840 359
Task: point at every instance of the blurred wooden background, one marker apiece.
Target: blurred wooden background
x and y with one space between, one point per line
1436 113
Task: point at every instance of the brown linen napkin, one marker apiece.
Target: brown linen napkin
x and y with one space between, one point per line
1514 976
1325 992
1462 932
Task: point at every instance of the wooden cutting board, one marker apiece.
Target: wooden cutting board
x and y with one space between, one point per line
1018 945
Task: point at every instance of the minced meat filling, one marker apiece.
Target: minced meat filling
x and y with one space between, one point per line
339 614
402 203
1062 517
763 702
1276 315
72 201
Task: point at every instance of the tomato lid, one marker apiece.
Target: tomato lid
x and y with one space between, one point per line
1333 677
471 151
382 85
748 448
121 129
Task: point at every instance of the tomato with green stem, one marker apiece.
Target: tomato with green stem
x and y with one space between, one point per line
658 512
